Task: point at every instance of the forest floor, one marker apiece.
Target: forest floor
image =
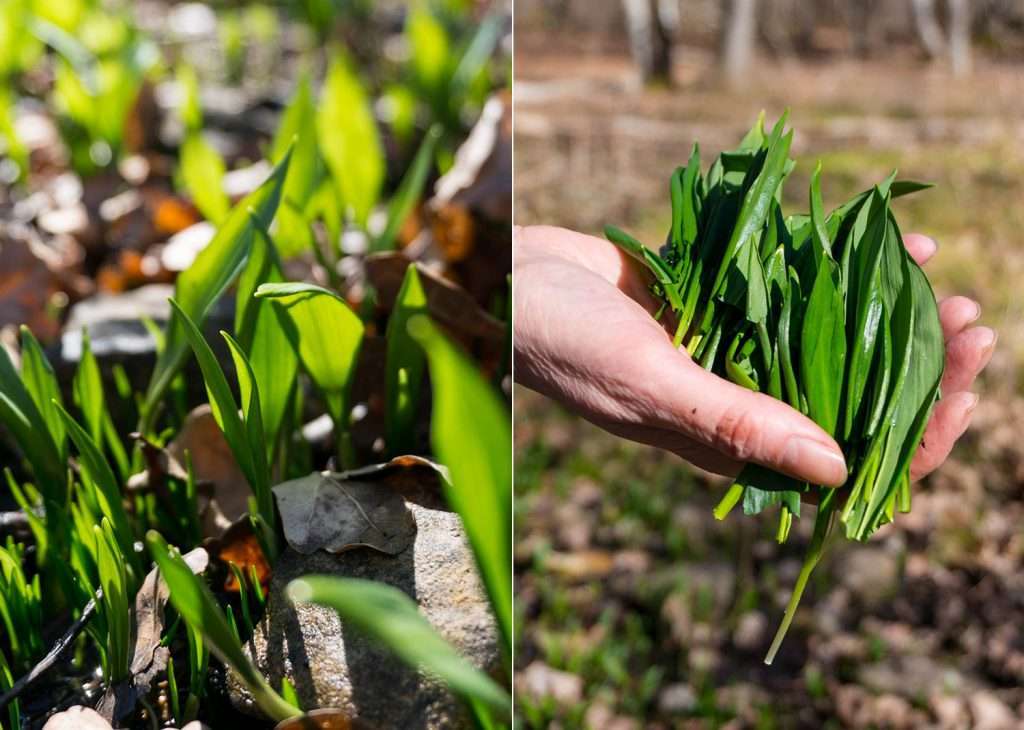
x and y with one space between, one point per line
639 609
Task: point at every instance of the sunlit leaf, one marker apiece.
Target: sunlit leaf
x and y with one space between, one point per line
202 174
405 366
41 383
194 602
349 139
327 335
213 270
471 432
410 190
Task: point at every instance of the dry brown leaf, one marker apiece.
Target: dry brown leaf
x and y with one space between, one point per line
417 479
149 658
448 303
213 462
326 718
33 275
326 511
239 545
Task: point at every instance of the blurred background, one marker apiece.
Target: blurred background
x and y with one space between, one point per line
637 608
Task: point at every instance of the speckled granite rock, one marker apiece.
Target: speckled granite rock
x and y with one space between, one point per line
332 666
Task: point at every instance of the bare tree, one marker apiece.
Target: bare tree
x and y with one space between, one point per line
738 32
649 40
957 45
960 36
928 28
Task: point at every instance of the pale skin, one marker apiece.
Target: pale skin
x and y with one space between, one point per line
584 336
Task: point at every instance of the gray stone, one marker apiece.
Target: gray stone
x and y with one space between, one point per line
117 336
335 666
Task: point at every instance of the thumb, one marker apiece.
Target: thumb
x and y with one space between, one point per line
750 427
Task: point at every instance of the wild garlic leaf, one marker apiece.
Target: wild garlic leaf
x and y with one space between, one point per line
349 139
202 174
327 335
405 365
481 483
199 286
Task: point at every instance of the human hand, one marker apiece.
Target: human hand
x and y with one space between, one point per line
584 336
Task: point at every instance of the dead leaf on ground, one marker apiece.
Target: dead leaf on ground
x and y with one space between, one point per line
417 479
239 545
33 276
149 658
326 718
325 511
212 461
448 303
481 178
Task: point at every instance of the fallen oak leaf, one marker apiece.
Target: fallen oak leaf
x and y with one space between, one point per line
416 478
149 658
326 511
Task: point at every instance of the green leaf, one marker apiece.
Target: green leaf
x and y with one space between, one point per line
202 175
471 433
244 433
823 339
97 473
297 131
405 365
429 46
110 563
389 616
263 333
327 335
410 190
349 139
41 383
213 270
654 263
19 414
190 109
194 602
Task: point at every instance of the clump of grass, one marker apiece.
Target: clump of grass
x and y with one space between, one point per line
827 313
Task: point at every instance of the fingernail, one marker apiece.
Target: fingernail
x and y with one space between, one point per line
972 403
977 312
814 461
993 337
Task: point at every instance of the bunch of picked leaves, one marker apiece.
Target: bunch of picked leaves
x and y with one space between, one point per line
829 314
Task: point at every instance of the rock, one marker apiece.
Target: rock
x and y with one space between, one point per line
332 666
872 574
677 699
541 682
117 336
750 631
991 713
78 717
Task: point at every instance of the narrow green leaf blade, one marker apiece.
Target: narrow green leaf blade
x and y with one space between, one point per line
471 434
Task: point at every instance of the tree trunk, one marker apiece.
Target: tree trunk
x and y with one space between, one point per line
960 36
649 41
928 29
738 28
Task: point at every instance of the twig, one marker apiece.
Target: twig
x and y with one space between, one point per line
52 656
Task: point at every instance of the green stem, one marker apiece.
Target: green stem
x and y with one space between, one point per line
822 525
730 500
